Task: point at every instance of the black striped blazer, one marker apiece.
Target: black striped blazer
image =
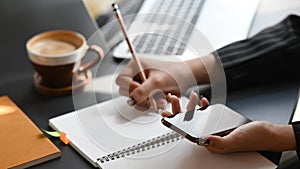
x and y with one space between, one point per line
272 54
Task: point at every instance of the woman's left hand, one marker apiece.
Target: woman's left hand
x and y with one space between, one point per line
253 136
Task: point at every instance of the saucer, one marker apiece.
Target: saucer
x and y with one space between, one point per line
82 80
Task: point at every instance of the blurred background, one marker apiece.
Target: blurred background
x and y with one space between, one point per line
101 9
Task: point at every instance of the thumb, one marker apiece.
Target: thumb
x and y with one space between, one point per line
142 92
214 140
216 144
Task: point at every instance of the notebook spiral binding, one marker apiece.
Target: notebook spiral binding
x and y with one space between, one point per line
146 145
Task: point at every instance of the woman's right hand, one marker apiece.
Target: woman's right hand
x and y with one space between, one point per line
168 77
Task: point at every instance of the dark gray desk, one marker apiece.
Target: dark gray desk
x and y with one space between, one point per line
19 20
22 19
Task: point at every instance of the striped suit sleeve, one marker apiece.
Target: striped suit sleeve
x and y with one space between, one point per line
272 54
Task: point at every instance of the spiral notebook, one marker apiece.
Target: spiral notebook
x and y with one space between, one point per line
113 135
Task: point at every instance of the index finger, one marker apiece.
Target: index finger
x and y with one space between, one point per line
126 74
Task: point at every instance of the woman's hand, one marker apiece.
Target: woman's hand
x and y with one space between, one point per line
253 136
191 105
168 77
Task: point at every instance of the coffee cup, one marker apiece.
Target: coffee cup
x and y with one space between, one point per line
57 56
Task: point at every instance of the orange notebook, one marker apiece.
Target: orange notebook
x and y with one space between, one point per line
22 144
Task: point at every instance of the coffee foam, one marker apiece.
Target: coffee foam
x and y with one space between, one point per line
65 47
52 47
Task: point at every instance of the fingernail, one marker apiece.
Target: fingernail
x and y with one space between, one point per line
131 101
202 108
204 141
168 97
207 142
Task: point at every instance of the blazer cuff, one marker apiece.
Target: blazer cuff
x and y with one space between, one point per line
296 128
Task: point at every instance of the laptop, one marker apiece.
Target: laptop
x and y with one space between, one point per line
174 29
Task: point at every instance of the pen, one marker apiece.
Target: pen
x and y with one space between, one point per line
142 75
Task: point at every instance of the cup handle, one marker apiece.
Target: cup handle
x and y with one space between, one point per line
100 57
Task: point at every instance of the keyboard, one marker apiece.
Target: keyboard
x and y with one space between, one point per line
168 41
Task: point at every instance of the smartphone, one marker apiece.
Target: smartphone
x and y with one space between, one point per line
216 119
